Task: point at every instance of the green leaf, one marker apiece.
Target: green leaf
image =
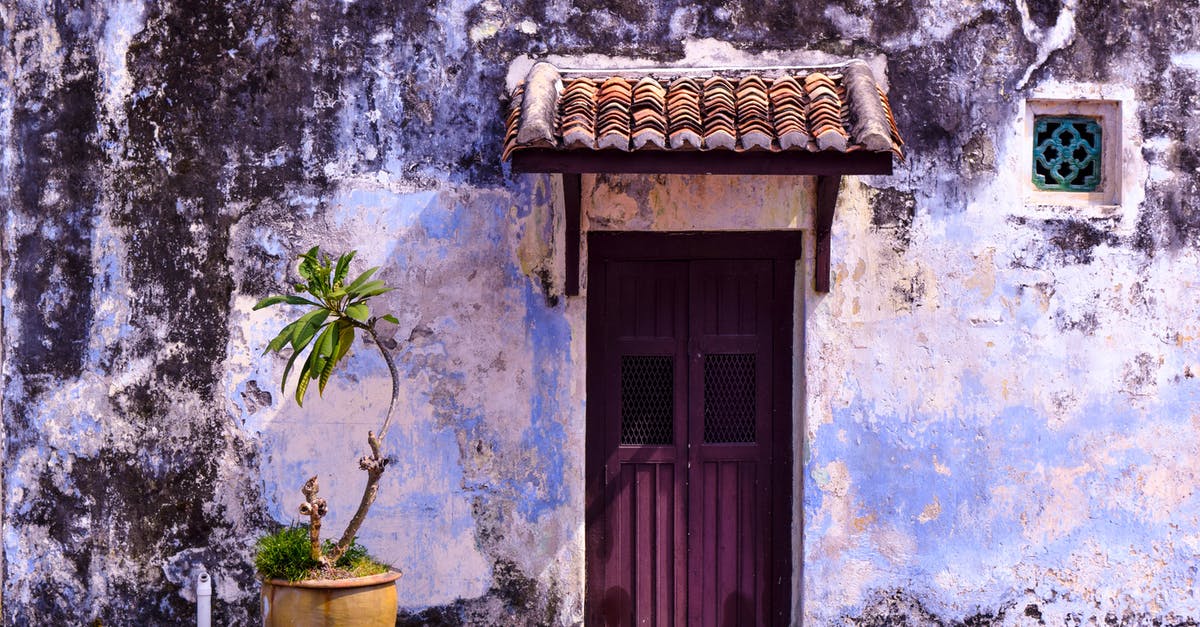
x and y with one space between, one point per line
315 288
291 300
383 289
281 340
370 290
358 311
302 387
328 347
345 339
268 301
287 369
307 326
308 263
343 267
306 374
323 274
362 278
390 318
324 351
300 300
359 291
318 364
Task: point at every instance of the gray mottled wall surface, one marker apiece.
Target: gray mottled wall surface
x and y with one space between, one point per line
163 162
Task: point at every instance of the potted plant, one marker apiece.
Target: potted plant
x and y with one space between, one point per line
308 580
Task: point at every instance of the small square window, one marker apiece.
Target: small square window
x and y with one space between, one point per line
1073 152
1067 153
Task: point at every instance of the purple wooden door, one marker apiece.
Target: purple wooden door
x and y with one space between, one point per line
689 430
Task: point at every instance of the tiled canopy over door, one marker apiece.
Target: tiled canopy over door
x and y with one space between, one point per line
825 121
786 110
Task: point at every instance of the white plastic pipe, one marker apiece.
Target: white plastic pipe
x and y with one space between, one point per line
203 600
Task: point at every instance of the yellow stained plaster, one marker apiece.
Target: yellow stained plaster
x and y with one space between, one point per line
677 202
984 278
862 522
931 512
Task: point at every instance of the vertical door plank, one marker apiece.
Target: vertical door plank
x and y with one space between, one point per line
626 309
664 539
750 549
665 308
708 565
729 597
616 604
727 304
749 304
680 573
643 543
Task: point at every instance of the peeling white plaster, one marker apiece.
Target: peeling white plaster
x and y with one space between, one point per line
699 53
1189 60
453 19
850 26
1049 39
683 22
915 373
122 23
7 161
110 303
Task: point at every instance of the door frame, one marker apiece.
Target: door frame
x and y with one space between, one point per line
784 248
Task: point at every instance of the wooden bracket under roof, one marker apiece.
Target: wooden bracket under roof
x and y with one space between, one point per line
825 122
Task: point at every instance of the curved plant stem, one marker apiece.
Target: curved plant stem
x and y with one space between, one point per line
374 463
387 357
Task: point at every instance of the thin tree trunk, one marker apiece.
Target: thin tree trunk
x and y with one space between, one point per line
315 509
374 463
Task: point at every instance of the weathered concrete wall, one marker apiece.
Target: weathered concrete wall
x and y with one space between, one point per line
1003 414
999 400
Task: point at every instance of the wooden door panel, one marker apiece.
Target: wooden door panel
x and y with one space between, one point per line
645 585
651 549
645 418
730 432
646 300
684 390
726 297
731 545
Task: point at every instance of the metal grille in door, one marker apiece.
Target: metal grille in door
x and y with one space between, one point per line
647 399
729 391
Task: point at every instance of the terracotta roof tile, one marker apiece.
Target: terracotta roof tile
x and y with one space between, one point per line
684 125
510 123
577 114
649 114
841 109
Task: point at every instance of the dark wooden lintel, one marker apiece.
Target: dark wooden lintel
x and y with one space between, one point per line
827 193
572 203
827 163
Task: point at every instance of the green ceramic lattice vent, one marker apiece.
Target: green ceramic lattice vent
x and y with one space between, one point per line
1066 154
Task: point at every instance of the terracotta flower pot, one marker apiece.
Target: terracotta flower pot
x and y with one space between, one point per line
366 601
